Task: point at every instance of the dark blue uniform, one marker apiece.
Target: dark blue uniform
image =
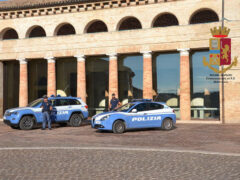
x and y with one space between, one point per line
114 102
46 114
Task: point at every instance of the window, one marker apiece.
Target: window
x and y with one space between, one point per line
204 93
166 81
155 106
37 79
66 76
130 77
74 102
141 107
62 102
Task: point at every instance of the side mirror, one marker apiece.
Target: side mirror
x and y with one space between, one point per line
134 111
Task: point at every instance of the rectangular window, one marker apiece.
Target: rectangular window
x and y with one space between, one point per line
130 77
37 79
66 75
166 79
204 93
97 70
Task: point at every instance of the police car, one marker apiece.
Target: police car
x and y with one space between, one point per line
136 114
70 110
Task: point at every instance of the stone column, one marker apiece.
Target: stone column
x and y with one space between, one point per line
81 77
113 75
23 86
51 78
147 75
185 94
1 89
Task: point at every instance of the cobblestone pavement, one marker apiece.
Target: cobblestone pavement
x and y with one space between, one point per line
117 164
192 151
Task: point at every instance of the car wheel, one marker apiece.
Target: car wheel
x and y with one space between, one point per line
167 124
76 120
118 127
26 123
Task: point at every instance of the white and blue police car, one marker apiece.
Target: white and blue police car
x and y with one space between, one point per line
70 110
137 114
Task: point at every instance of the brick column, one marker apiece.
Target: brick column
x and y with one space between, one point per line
81 77
1 89
147 75
113 75
51 81
185 96
23 86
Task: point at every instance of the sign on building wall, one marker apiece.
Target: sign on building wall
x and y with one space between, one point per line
220 53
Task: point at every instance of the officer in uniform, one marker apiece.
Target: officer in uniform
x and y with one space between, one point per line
114 103
46 110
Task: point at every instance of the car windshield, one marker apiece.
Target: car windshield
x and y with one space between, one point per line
35 103
125 107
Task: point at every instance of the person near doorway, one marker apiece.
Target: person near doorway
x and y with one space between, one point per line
114 103
46 110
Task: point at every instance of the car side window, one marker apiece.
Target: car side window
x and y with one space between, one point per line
62 102
155 106
141 107
74 102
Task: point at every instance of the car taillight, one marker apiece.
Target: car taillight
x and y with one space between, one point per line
86 106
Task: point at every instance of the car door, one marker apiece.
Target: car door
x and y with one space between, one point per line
62 108
138 119
154 114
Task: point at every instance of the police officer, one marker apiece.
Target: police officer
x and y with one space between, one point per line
114 103
46 110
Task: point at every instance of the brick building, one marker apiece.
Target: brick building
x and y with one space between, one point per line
133 48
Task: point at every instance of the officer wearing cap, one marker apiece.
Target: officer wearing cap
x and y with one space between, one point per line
114 103
46 110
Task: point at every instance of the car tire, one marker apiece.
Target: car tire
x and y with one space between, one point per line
26 123
76 120
118 127
167 124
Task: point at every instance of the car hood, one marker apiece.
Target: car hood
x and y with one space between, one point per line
99 116
19 109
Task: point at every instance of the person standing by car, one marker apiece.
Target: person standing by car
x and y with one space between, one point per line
114 103
46 110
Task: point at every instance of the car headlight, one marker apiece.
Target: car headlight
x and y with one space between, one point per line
104 118
14 113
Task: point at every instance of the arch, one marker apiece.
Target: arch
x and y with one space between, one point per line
203 16
96 26
9 33
164 20
129 23
35 31
64 29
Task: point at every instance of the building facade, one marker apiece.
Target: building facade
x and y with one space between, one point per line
133 48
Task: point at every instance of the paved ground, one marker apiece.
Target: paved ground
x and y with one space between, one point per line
191 151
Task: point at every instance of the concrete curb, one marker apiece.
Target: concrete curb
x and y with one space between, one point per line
122 149
198 122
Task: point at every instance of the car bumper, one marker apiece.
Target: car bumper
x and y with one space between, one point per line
8 122
98 126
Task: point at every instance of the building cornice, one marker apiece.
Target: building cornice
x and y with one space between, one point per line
70 6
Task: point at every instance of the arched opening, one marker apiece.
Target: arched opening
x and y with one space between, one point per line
65 29
9 34
164 20
96 26
204 16
129 24
36 31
